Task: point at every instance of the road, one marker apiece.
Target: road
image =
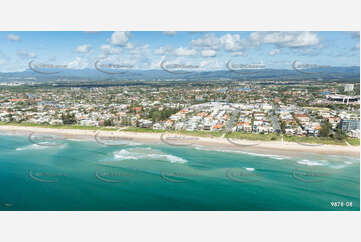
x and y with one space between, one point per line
275 123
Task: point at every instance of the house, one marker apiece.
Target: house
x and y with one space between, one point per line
303 118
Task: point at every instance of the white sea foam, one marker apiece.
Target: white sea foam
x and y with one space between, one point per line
277 157
313 163
38 147
133 143
146 153
31 147
124 155
334 162
340 165
337 166
249 169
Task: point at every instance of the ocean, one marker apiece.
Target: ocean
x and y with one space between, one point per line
88 176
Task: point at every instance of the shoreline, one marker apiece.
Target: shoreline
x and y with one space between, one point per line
211 143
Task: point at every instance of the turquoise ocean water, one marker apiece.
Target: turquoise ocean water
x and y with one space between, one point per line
85 175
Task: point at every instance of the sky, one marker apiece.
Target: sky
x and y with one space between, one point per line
209 50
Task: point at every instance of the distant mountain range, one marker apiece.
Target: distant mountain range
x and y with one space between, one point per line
329 73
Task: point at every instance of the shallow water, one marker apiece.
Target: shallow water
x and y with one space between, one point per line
79 175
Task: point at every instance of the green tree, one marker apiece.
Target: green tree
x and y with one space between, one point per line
325 129
283 126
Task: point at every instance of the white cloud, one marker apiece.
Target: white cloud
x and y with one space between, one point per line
129 46
83 48
156 63
78 63
274 52
140 50
207 41
3 62
185 52
229 42
239 53
25 54
110 50
232 42
119 59
208 53
120 38
171 33
213 64
285 39
13 37
162 50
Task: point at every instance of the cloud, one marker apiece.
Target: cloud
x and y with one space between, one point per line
120 38
83 48
110 50
78 63
229 42
274 52
307 52
185 52
232 42
213 64
3 62
239 53
129 46
285 39
13 37
208 53
137 56
25 54
140 50
209 41
170 33
162 50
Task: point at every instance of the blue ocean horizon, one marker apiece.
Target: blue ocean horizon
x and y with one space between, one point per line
88 176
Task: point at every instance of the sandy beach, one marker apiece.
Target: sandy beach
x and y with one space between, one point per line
221 144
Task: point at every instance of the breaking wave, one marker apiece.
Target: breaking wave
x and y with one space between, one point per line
38 147
277 157
146 153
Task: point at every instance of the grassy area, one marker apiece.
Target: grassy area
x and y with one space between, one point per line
143 130
202 133
294 139
236 135
318 108
129 129
314 140
57 126
353 141
248 136
192 133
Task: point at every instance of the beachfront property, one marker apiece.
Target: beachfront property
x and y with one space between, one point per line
294 111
